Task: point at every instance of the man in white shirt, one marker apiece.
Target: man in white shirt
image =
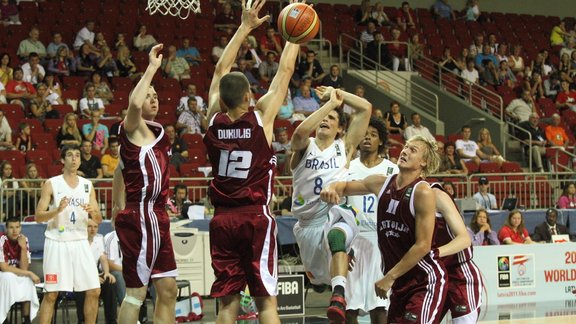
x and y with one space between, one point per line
33 71
417 129
86 36
470 74
484 199
90 102
520 109
467 149
190 93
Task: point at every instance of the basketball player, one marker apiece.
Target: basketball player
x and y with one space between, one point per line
238 140
67 202
139 194
406 206
316 162
367 269
465 284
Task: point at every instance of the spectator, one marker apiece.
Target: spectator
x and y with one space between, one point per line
6 72
568 198
254 83
32 70
395 121
470 74
569 48
31 185
106 63
126 68
488 74
368 34
32 44
99 41
10 193
9 13
19 91
415 50
54 89
62 64
247 51
304 103
566 98
379 16
502 53
537 142
189 53
514 231
311 67
462 59
449 187
564 67
287 108
192 120
472 10
85 36
114 129
219 48
506 76
24 140
398 52
144 41
175 67
556 134
90 102
405 18
448 62
559 35
477 46
488 149
377 51
493 43
90 166
417 129
516 61
55 44
179 147
17 283
109 161
334 79
271 42
307 81
466 148
362 16
539 65
484 199
282 149
101 88
40 106
69 134
451 162
481 231
521 108
5 133
268 68
120 41
485 55
179 202
226 21
535 85
543 232
96 133
443 10
2 94
86 62
190 93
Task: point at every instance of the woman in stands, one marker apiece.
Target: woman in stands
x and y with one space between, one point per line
449 188
126 67
448 62
62 64
69 134
568 197
102 89
32 184
516 61
395 121
6 72
451 162
488 148
9 198
564 67
480 229
514 231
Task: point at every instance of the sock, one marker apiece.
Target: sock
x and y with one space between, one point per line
338 283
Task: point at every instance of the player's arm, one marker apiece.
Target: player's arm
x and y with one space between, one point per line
138 96
360 119
250 21
42 212
425 206
300 138
106 269
5 267
118 193
270 103
462 239
93 208
23 243
371 184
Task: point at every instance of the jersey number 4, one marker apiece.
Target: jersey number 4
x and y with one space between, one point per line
235 164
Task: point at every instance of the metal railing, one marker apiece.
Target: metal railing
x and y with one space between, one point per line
511 136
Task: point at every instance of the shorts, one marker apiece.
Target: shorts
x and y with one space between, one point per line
146 246
464 289
69 266
244 252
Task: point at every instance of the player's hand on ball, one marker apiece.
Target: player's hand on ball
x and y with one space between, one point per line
250 13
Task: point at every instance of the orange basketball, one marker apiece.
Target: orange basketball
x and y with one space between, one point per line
298 23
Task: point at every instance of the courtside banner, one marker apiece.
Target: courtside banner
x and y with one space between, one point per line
291 295
528 273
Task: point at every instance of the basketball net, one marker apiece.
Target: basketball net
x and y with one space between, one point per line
176 8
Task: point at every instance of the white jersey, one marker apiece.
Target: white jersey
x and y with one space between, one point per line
367 205
71 224
316 170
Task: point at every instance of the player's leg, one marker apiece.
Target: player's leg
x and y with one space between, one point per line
339 238
130 308
351 316
91 305
26 312
47 307
228 309
379 315
267 309
166 291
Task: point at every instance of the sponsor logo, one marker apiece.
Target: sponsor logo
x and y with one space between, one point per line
51 278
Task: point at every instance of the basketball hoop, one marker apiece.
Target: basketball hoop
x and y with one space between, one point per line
176 8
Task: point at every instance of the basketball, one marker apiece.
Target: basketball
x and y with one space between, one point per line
298 23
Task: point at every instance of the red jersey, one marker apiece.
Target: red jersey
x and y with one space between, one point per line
10 251
397 228
243 163
145 169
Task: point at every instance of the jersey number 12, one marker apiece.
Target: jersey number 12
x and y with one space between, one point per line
234 164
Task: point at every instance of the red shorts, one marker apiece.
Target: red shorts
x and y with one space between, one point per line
419 298
146 246
243 250
464 289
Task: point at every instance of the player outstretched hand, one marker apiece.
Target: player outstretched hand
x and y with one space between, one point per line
154 57
250 13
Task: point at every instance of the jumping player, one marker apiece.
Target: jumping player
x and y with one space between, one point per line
66 202
238 140
317 162
405 228
465 284
139 193
360 294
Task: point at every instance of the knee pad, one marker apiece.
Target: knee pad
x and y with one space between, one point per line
133 301
336 241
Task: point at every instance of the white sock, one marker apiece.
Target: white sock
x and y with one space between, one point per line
338 281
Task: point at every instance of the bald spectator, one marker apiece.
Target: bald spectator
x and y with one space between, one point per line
175 67
304 103
190 93
417 129
556 134
32 44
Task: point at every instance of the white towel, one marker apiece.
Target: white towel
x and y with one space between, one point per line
15 289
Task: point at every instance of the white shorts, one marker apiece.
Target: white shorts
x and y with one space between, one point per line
360 292
15 289
69 266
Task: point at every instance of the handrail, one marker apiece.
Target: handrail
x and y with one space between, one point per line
521 141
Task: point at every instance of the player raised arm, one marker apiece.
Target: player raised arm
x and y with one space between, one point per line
250 21
118 193
454 220
371 184
425 207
